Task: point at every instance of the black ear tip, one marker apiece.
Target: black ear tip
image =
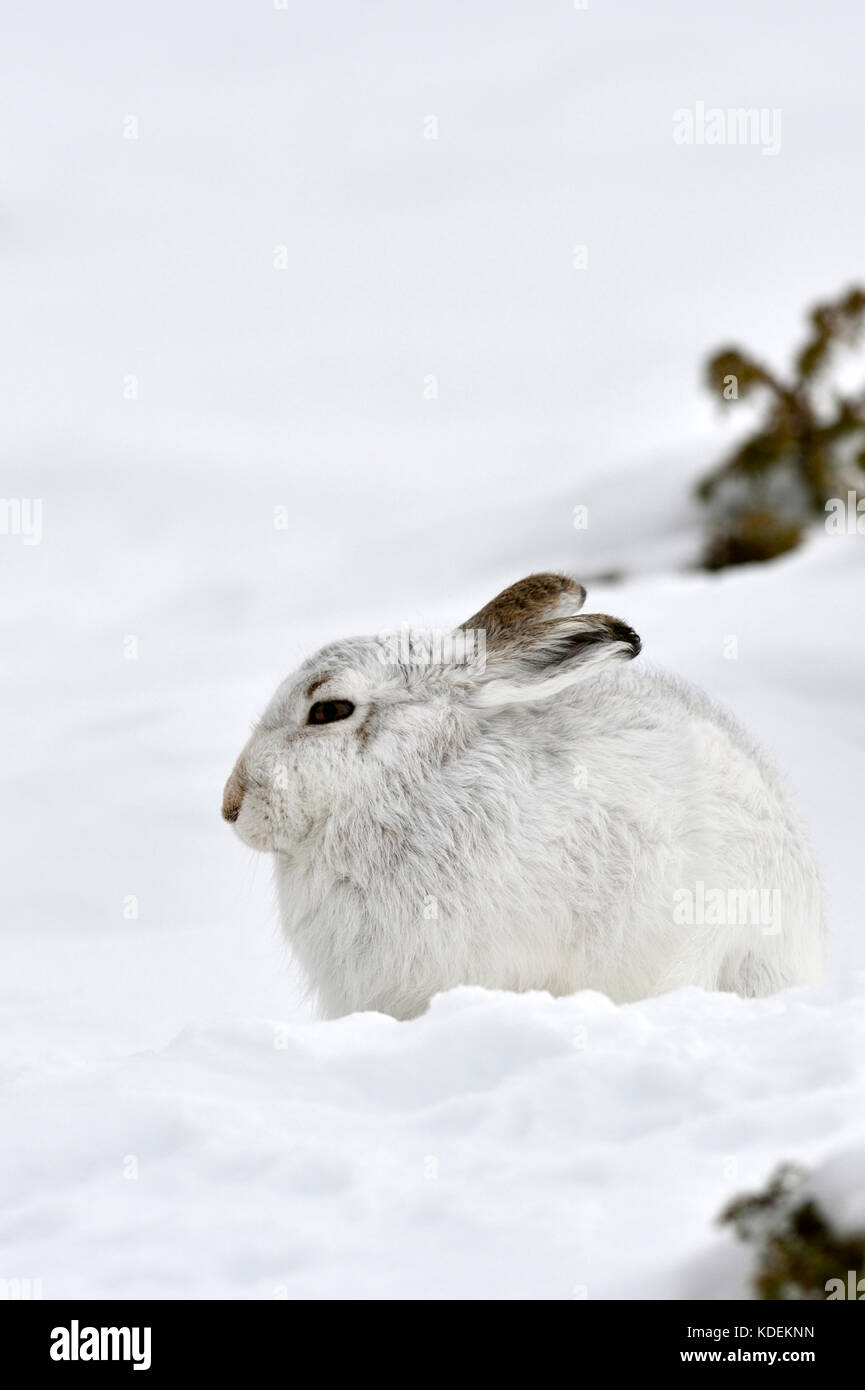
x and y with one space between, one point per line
623 633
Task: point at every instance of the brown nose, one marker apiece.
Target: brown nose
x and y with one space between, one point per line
232 797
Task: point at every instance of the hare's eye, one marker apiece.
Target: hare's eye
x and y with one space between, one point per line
327 711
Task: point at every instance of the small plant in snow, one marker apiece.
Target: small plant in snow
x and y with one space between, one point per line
808 447
800 1254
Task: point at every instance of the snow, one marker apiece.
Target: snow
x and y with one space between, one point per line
176 1121
499 1147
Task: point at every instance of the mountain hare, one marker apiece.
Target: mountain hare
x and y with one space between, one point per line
513 805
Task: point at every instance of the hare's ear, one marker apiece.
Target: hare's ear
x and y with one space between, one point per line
535 599
537 660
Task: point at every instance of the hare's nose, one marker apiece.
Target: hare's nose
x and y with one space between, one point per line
232 797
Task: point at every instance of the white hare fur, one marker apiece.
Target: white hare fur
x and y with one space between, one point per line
537 821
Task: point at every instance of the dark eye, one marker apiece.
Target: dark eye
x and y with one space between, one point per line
327 711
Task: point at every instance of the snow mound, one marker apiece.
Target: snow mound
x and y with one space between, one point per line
501 1146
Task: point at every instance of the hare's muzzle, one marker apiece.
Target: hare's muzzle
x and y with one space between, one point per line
232 797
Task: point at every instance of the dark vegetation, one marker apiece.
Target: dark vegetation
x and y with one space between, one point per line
808 445
797 1253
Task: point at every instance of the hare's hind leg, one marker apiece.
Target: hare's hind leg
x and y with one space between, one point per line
754 975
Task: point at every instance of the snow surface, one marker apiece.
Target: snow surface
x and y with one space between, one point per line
175 1121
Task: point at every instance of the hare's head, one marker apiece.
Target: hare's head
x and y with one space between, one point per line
368 717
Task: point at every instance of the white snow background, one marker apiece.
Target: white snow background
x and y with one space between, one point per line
176 1123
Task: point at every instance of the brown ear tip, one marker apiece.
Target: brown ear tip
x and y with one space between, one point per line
552 583
573 584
